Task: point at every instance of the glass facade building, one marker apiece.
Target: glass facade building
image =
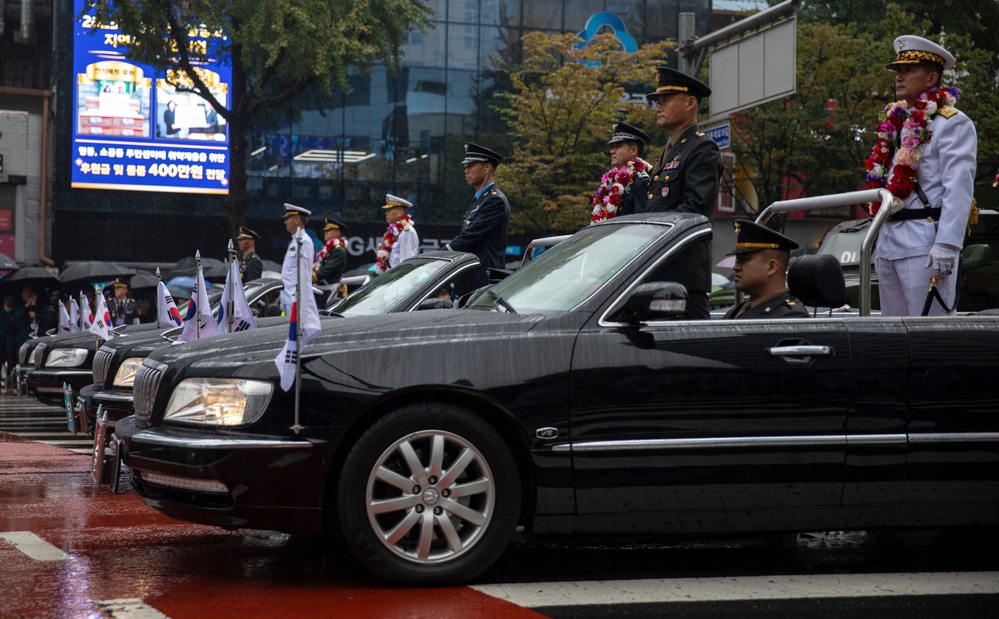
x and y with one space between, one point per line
396 132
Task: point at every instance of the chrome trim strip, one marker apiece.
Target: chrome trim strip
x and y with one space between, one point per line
217 443
42 374
695 443
876 439
107 396
954 437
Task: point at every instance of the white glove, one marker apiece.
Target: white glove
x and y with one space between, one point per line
942 260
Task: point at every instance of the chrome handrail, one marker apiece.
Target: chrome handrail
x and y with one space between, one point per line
844 199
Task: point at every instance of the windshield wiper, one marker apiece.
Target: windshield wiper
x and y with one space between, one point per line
495 297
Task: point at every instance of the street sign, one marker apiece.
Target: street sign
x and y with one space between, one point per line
721 134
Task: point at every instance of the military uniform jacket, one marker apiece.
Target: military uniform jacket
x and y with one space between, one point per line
635 198
405 247
484 230
947 176
686 178
289 283
331 269
122 312
251 267
780 306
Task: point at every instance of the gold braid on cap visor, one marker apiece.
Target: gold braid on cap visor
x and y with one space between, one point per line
393 204
678 88
757 246
915 55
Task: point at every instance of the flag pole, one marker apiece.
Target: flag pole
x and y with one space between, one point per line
194 299
97 291
158 280
232 302
298 328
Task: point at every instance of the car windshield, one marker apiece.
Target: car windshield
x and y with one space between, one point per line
568 273
845 242
388 289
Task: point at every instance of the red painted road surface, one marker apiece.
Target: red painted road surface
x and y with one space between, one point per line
118 548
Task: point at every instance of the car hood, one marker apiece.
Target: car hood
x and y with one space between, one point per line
358 334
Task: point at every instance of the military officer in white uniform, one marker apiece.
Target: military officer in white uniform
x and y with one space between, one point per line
924 238
295 217
401 240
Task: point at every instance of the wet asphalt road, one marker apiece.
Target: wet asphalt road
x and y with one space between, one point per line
112 556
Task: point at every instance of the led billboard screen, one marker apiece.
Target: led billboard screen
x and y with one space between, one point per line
133 129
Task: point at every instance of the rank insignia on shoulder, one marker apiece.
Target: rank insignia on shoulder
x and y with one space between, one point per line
946 111
699 134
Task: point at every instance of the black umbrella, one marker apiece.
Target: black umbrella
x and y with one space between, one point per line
188 266
143 280
31 276
270 265
7 263
94 270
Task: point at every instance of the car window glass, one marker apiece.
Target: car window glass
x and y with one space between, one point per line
568 273
388 289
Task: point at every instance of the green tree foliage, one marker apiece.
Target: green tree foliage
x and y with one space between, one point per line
279 49
817 139
563 103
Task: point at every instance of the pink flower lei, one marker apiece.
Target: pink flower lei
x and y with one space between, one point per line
328 246
909 126
613 185
391 238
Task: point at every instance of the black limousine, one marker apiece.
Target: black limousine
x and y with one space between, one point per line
574 399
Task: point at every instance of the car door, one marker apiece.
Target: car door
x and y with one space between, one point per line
708 415
953 433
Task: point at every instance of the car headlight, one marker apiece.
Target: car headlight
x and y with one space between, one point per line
218 401
125 376
66 357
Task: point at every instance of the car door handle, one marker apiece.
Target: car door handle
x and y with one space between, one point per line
800 353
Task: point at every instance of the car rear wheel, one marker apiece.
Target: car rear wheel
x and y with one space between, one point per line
429 495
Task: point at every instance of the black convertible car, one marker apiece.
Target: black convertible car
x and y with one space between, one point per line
576 400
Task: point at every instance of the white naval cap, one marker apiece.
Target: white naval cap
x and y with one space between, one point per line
910 49
394 201
291 209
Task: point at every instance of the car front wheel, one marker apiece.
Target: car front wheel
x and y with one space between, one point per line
428 496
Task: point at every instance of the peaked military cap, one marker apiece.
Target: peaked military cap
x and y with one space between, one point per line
670 81
751 236
623 132
475 153
246 233
290 210
394 201
332 224
910 49
120 283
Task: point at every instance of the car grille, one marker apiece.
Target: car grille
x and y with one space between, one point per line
40 355
147 381
102 362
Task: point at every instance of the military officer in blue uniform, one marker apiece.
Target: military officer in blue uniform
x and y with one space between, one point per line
251 267
761 257
484 229
924 238
628 143
685 177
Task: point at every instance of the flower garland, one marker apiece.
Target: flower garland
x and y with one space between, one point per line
391 238
613 185
909 126
328 246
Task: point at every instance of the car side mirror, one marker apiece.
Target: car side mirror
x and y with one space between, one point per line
656 301
435 303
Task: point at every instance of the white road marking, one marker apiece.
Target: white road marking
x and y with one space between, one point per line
130 608
610 592
33 546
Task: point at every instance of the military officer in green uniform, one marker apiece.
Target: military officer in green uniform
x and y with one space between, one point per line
685 177
250 264
761 257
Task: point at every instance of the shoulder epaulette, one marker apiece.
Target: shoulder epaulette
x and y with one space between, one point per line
700 134
946 111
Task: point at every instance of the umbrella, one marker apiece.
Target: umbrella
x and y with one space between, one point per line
7 263
32 276
726 263
217 271
270 265
186 282
94 270
143 280
188 266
